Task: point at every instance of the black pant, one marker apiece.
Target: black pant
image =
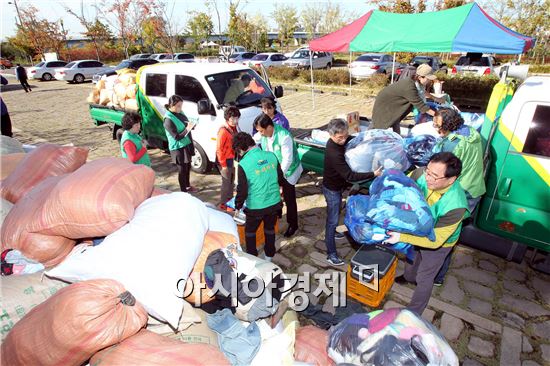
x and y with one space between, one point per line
253 221
184 174
289 194
6 125
25 85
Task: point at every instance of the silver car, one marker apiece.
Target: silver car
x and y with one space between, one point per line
44 70
369 64
301 60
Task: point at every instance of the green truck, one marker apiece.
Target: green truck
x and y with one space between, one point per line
514 214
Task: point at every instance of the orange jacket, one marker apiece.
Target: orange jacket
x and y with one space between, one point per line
224 148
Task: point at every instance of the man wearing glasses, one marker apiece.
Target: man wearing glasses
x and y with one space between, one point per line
447 200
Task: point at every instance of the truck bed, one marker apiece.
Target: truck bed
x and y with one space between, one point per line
102 114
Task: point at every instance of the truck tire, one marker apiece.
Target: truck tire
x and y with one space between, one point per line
199 162
78 78
117 133
47 76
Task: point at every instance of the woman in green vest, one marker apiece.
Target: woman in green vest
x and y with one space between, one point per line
180 142
259 177
132 146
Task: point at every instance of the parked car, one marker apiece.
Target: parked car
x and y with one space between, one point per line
44 70
301 60
289 54
184 57
241 57
226 51
267 59
475 64
162 57
369 64
434 62
78 71
124 64
138 56
5 63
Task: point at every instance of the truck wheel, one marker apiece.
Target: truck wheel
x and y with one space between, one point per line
117 133
47 77
328 66
199 162
78 78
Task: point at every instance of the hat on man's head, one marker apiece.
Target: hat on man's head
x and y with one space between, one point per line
426 71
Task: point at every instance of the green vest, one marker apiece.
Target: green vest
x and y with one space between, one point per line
136 139
470 152
260 168
174 144
279 133
452 199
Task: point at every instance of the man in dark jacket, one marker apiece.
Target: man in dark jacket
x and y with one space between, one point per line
21 75
397 100
336 177
6 121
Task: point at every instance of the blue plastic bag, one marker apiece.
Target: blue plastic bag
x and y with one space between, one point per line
420 149
372 149
395 204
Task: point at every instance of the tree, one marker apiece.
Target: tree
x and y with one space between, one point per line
152 30
36 35
127 18
448 4
259 32
333 18
311 16
239 29
95 30
405 6
200 27
287 21
168 26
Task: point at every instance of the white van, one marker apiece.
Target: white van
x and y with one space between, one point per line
206 90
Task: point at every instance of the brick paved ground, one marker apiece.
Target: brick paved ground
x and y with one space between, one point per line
493 312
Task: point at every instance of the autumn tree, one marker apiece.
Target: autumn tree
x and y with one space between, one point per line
127 18
95 30
448 4
36 35
311 17
333 18
259 32
200 27
167 25
404 6
239 29
151 32
286 18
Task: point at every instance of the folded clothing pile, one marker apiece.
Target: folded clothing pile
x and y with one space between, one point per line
396 337
396 204
373 149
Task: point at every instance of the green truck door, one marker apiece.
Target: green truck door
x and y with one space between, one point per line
517 202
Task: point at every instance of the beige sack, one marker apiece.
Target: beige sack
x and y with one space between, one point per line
105 96
100 85
131 91
120 91
131 104
22 293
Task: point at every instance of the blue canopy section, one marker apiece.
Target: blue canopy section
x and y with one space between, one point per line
481 33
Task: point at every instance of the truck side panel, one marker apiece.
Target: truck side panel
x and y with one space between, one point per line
102 115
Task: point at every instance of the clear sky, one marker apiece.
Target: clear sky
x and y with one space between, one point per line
54 10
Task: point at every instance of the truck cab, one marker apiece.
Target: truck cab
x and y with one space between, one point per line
206 90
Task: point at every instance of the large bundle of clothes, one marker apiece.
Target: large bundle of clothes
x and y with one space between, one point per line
394 337
373 149
395 203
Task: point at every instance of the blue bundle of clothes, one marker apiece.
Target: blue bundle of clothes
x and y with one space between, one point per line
420 148
396 204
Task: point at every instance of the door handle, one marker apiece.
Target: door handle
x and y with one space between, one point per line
505 187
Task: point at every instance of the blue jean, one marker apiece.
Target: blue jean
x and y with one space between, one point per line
334 203
239 344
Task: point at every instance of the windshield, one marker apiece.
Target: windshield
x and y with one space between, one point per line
473 61
260 57
301 54
242 87
69 65
122 65
40 64
235 55
368 58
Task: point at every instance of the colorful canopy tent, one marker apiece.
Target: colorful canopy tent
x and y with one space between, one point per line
466 28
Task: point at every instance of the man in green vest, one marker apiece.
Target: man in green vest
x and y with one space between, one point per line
278 140
131 143
259 177
447 200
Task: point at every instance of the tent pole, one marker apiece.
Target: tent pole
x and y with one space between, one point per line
311 69
393 68
349 70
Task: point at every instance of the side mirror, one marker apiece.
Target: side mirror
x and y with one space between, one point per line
204 106
279 91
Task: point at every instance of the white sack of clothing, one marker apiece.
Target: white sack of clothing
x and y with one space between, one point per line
152 255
